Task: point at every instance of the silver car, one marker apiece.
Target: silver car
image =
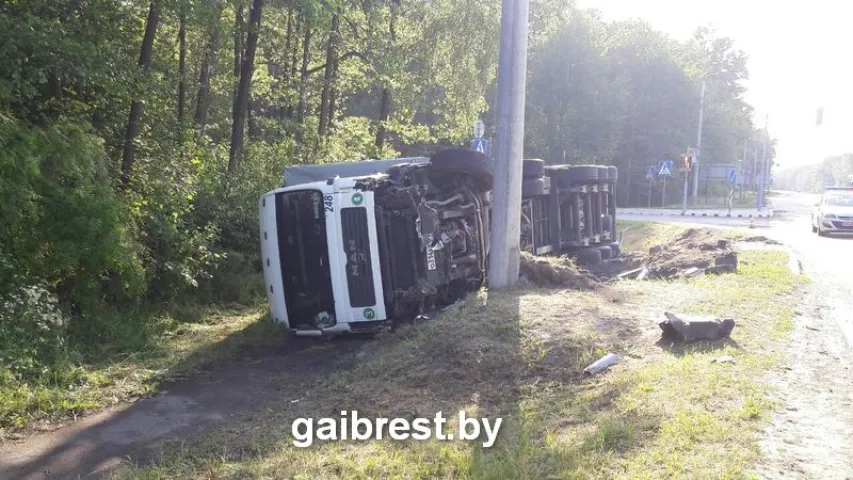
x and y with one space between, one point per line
834 213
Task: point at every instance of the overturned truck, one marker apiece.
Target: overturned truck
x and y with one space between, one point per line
348 247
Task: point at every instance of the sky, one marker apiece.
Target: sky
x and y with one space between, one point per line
799 60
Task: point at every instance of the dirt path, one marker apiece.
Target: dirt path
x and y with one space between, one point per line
812 435
96 445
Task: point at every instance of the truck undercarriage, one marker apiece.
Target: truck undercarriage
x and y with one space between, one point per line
432 229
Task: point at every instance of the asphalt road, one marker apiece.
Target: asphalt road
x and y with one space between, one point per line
811 434
828 261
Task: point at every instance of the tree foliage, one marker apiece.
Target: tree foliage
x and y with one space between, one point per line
136 136
834 171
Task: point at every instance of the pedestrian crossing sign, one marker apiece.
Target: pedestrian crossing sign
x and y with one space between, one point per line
666 168
480 145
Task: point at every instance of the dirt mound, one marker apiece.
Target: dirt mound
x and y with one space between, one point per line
554 271
697 249
761 239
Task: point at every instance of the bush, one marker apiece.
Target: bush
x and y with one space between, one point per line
60 217
33 341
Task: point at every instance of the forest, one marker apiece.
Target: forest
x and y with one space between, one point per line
136 137
834 171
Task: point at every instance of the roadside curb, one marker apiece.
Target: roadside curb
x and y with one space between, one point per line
676 213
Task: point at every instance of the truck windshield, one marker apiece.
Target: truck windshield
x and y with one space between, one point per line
304 254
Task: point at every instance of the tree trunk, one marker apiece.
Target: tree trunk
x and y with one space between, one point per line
303 85
203 101
284 77
385 102
384 111
136 106
303 80
252 116
333 99
238 49
241 103
328 77
182 68
293 55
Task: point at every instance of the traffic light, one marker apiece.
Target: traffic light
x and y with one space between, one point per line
686 163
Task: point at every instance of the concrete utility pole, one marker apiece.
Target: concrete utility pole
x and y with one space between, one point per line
698 147
506 207
743 173
755 171
765 169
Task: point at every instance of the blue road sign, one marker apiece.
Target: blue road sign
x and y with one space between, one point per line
666 167
650 173
732 176
480 145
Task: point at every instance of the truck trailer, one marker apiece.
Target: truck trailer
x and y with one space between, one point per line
351 247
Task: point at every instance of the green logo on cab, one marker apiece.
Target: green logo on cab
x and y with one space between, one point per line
368 312
357 198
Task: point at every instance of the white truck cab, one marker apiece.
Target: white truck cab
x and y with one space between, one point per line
320 257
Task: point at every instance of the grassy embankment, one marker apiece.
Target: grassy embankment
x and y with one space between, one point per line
662 412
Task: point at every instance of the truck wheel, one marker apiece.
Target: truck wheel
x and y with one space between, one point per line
462 160
583 173
535 186
589 257
532 168
559 175
554 170
613 174
606 252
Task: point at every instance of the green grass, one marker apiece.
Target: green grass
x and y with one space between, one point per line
662 412
640 236
184 340
715 202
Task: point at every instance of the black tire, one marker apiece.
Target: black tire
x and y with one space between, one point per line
814 229
589 256
535 186
533 168
559 175
583 174
554 170
463 160
606 252
613 174
615 249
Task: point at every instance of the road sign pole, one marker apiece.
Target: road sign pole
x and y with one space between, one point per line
743 172
765 170
506 209
698 154
684 190
650 193
663 193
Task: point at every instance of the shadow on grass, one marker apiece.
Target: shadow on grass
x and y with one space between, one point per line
235 377
680 349
515 356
